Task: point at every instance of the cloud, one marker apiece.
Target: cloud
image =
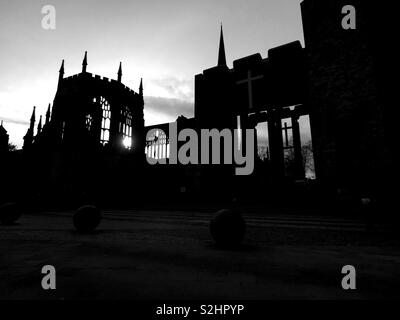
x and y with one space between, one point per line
14 121
172 87
170 108
167 98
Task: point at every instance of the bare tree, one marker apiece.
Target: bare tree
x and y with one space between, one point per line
12 147
308 159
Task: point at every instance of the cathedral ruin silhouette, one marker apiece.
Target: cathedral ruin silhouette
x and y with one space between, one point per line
93 139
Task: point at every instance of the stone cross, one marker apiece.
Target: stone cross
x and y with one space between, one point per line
286 129
249 80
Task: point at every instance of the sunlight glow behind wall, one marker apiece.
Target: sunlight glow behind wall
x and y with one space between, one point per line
164 42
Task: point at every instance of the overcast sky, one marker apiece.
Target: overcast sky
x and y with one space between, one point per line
166 42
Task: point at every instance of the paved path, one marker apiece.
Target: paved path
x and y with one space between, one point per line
256 220
169 255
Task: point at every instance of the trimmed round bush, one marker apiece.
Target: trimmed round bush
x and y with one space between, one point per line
87 218
10 213
228 228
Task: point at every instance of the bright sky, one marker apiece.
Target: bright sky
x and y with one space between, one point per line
166 42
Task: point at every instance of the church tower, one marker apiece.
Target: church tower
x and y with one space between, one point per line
213 93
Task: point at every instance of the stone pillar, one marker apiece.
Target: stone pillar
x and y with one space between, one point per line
276 145
252 123
244 124
115 139
298 157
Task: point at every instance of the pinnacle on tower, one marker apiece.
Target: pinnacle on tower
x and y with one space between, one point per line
33 118
141 87
61 73
39 127
28 138
62 69
120 72
84 63
48 113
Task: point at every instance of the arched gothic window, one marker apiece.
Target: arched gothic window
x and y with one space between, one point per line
125 127
88 122
105 122
157 144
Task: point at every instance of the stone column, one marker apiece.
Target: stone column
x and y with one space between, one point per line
276 145
298 157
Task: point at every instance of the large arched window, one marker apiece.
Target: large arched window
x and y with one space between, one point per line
105 122
157 144
125 127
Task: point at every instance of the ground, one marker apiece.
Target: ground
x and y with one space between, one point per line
170 255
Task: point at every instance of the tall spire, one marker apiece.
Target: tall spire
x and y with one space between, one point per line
48 114
120 72
84 63
221 53
39 127
141 87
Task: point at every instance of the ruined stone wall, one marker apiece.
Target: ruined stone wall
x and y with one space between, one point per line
347 114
